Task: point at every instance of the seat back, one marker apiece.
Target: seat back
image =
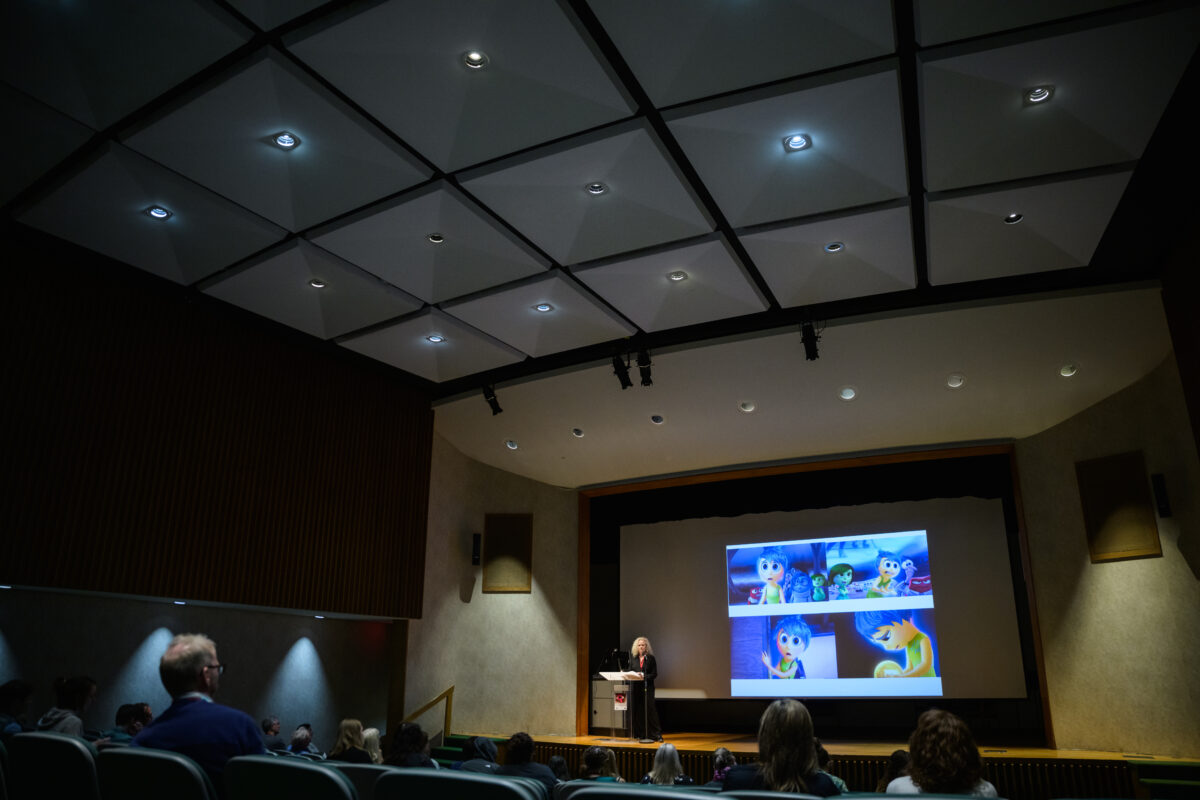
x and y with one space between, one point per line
641 791
363 776
417 783
51 765
140 773
762 794
256 777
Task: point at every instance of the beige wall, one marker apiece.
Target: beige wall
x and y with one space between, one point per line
1121 639
510 657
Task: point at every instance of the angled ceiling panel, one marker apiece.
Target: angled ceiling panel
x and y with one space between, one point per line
42 136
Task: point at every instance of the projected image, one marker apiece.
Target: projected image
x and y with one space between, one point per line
890 643
783 647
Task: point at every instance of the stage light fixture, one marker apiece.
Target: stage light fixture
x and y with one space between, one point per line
809 337
643 359
621 370
489 394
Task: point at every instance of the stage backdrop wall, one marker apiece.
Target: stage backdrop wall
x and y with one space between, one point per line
510 657
296 667
1119 638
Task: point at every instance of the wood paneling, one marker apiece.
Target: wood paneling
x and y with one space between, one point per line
160 443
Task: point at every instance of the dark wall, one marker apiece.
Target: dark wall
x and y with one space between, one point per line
161 443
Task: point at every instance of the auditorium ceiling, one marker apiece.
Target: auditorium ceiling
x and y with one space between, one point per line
963 200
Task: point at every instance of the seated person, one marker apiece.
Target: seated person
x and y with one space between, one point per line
485 757
371 745
667 770
130 720
72 696
943 759
15 698
787 755
410 748
723 761
897 766
595 765
349 745
558 765
520 761
823 759
271 738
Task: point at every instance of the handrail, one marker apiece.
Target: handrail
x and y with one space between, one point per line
448 696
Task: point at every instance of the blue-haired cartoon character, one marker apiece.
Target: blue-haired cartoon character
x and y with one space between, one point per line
792 636
888 565
797 588
896 630
772 564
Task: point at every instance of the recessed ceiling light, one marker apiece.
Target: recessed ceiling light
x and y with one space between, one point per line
1013 218
848 393
317 283
1067 370
577 433
746 406
475 59
318 616
657 419
596 188
955 380
1039 94
677 275
797 141
5 586
285 140
543 307
436 238
180 603
436 338
510 444
834 247
157 212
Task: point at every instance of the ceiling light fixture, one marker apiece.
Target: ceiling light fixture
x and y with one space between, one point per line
746 406
955 381
797 141
157 212
577 433
1039 94
643 362
596 188
317 283
318 616
834 247
436 338
436 238
809 338
657 419
511 444
543 308
1068 370
179 603
848 393
285 140
489 394
677 275
475 59
621 370
1013 218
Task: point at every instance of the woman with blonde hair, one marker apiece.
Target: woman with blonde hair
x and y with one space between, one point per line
349 746
371 745
667 770
787 755
645 715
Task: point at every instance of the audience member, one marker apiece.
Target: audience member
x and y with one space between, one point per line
787 755
897 765
271 738
15 698
484 759
312 751
208 733
558 765
72 697
301 742
410 748
519 761
611 769
723 761
371 745
130 720
667 770
595 765
943 759
349 744
823 759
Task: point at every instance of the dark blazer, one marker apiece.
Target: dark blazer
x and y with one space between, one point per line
650 669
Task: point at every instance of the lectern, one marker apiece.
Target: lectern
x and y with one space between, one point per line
621 685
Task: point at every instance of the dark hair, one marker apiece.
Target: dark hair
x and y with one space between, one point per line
897 766
520 748
124 715
409 739
943 755
558 765
269 722
594 759
73 693
14 694
823 757
141 713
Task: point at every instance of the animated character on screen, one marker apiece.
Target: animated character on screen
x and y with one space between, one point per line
797 587
792 636
888 565
896 630
772 564
818 587
840 576
902 585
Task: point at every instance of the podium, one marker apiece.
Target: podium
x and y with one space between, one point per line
623 682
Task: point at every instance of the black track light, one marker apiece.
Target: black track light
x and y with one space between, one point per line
489 394
643 360
621 370
809 337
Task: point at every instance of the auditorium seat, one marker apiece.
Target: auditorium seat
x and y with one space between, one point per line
51 765
256 777
414 783
363 776
643 791
759 794
140 773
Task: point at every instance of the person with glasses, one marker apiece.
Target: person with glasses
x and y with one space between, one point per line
208 733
